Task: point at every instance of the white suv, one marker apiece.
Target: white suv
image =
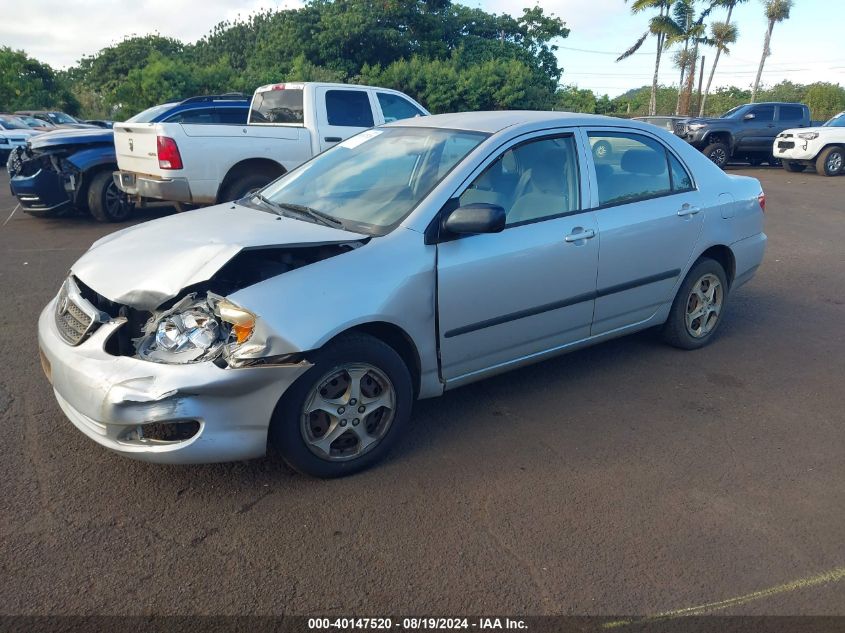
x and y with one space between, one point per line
822 147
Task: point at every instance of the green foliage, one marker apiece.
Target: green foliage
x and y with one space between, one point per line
574 99
27 84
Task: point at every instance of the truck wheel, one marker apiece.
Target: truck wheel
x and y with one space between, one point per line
831 161
788 165
346 411
246 184
106 202
718 153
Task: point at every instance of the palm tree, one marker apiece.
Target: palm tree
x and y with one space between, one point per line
692 33
722 33
776 11
662 27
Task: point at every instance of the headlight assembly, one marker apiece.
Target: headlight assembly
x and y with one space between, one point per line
692 127
195 330
808 136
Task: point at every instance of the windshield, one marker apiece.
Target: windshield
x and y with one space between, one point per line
31 121
371 181
730 113
837 121
12 123
60 117
149 114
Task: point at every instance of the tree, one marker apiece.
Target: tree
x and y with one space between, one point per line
661 27
26 83
776 11
574 99
692 34
722 34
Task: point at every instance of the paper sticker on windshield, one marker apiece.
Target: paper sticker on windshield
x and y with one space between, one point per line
363 137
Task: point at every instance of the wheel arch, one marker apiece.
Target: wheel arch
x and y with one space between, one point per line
249 165
724 255
719 136
397 338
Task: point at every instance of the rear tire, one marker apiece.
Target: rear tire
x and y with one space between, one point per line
365 421
106 202
703 292
719 153
788 165
245 184
831 161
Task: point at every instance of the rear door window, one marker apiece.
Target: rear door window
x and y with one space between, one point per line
349 108
277 106
630 167
791 113
396 108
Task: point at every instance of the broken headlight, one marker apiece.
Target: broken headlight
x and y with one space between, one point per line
195 330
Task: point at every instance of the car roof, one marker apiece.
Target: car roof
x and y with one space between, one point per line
492 122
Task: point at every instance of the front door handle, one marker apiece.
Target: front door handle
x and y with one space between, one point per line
579 234
332 139
687 210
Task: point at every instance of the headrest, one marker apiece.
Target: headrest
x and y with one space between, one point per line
643 161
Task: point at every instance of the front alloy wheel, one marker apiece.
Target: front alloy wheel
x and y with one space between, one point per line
348 412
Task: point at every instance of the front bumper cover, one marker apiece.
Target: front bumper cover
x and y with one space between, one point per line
105 396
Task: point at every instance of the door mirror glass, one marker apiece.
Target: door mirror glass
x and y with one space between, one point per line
749 116
477 217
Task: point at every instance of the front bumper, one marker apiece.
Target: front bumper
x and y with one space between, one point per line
168 189
107 396
795 149
43 192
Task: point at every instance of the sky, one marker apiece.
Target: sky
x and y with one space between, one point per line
805 48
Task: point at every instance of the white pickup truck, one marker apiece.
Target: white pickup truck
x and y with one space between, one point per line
196 163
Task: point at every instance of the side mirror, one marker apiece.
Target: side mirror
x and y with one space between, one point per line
749 116
478 217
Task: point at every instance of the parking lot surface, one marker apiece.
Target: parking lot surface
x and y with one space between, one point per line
630 478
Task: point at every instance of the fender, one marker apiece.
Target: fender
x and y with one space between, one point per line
87 159
731 138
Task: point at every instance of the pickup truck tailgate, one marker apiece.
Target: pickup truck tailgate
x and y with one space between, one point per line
136 148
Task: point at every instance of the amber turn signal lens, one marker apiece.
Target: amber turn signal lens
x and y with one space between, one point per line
242 332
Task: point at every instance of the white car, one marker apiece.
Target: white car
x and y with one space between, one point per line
288 123
820 147
13 133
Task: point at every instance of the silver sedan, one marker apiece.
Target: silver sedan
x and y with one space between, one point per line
406 261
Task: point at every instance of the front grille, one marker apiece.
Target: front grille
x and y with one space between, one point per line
72 321
679 129
786 144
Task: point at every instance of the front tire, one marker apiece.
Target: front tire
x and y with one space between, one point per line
346 412
719 153
106 202
698 307
831 161
788 165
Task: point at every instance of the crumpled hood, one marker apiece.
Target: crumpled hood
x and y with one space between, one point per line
145 265
56 138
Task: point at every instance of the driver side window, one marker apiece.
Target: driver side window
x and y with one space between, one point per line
533 181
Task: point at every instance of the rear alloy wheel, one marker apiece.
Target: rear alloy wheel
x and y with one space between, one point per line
344 413
718 153
831 161
788 165
697 310
106 202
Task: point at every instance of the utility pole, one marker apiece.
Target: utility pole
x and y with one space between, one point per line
700 81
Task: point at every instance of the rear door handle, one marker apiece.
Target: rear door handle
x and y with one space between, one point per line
687 210
577 236
332 139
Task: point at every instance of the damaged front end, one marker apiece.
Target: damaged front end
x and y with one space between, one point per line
43 181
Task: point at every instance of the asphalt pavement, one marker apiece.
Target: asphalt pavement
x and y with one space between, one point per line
629 478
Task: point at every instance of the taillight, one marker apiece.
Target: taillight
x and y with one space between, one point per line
168 153
761 199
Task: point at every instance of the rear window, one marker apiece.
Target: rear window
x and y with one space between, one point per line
277 106
349 108
396 108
